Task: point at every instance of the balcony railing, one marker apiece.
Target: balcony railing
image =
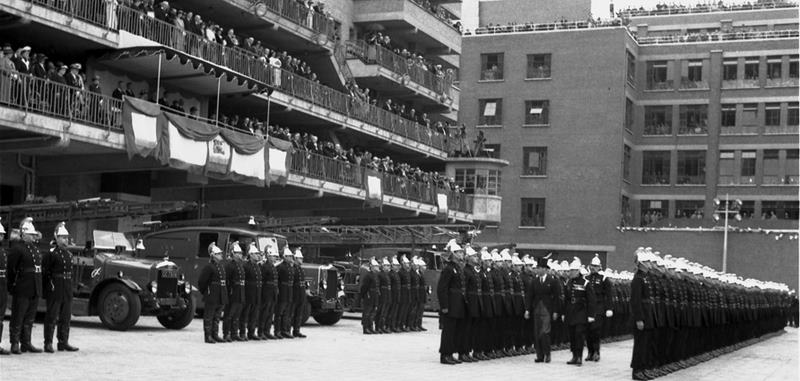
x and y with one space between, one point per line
699 129
298 14
778 82
687 84
660 85
691 180
719 36
781 130
246 63
705 9
740 84
780 180
439 12
658 129
40 96
101 13
371 54
739 130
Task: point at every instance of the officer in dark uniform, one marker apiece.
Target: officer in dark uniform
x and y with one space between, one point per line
25 273
422 298
394 308
509 333
642 315
473 288
405 293
370 295
602 291
299 299
578 310
483 327
212 283
413 304
3 283
452 307
543 306
385 299
57 279
285 295
528 327
252 294
269 296
236 293
499 305
518 303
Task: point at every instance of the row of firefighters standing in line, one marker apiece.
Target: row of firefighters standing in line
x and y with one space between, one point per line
393 295
495 304
257 295
28 275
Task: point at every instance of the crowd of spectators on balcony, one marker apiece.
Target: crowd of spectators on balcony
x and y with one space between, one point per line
413 59
672 8
651 216
440 12
747 33
559 24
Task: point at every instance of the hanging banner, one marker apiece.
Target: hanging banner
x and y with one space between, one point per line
278 160
186 153
219 155
142 127
441 203
248 169
374 188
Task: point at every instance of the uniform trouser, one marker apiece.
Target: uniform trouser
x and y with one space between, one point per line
23 311
298 313
411 316
593 335
485 334
497 332
642 346
448 343
265 317
382 311
211 316
576 334
282 315
369 310
59 314
464 337
3 302
393 311
420 311
402 313
230 324
541 332
250 318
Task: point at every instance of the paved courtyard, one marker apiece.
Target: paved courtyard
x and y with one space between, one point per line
149 352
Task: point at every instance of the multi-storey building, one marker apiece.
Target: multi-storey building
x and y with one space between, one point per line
610 126
193 125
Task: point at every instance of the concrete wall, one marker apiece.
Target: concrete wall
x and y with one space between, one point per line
535 11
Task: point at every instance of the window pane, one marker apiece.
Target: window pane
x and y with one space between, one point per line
791 172
729 70
657 75
695 70
728 118
658 120
691 167
779 210
631 69
491 112
694 119
532 212
534 161
772 114
628 114
492 66
771 167
538 66
774 68
653 210
726 171
751 68
655 167
748 168
626 162
750 114
537 112
689 209
793 114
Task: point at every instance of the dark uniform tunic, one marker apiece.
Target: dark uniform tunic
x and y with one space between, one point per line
578 307
213 285
405 298
384 300
642 311
3 286
474 291
451 292
602 290
25 277
57 278
269 297
299 298
285 296
422 299
236 298
394 308
252 298
544 298
413 298
486 327
370 293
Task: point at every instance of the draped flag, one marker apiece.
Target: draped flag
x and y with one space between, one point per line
441 203
142 127
278 160
374 188
219 155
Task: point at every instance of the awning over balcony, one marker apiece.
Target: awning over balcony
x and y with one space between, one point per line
180 70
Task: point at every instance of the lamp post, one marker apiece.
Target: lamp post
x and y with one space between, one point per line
726 209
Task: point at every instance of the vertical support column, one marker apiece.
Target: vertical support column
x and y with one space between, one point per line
714 109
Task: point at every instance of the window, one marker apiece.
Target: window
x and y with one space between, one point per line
626 218
695 70
657 75
729 67
791 171
534 161
774 67
492 150
655 167
465 178
537 112
689 209
493 182
532 212
747 209
693 119
750 114
728 118
492 67
726 170
538 66
658 120
691 167
793 67
793 114
751 68
772 114
779 210
631 69
770 167
628 114
491 112
626 163
653 210
748 168
203 240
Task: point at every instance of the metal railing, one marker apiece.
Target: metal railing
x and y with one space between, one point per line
541 27
705 9
298 14
698 129
372 53
41 96
439 12
719 36
246 63
659 85
98 12
738 130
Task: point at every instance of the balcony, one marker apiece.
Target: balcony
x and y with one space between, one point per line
687 84
697 129
658 129
778 82
44 108
665 85
740 84
781 130
739 130
406 17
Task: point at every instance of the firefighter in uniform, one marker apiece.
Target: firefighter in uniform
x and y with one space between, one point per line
385 299
498 347
405 293
252 294
269 295
236 294
527 330
601 286
3 284
57 282
518 304
483 327
394 307
578 309
452 306
422 298
25 274
300 293
473 288
370 294
413 275
213 286
285 283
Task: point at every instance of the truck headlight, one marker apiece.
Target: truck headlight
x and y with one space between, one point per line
323 284
153 287
187 288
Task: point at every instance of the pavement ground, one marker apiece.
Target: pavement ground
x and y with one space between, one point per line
150 352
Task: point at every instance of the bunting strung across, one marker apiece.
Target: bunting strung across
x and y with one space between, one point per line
441 203
142 127
374 188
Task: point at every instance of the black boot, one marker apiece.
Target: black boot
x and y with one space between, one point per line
298 334
28 347
576 360
48 348
66 347
15 349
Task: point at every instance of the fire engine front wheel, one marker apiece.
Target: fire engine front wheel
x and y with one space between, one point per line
181 318
328 318
119 307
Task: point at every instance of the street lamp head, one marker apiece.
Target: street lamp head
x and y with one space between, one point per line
716 216
716 201
738 203
738 217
